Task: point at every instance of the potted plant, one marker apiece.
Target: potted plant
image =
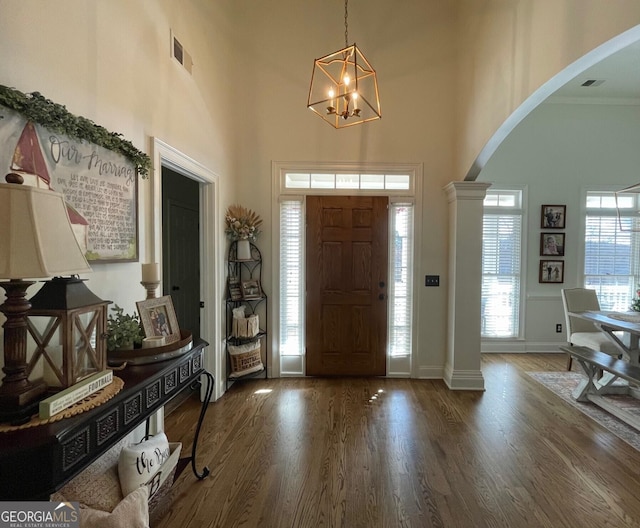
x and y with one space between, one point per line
123 330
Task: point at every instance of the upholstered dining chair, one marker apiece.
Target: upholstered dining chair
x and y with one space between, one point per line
579 331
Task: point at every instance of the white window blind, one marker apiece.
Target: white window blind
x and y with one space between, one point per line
612 249
291 278
400 279
501 264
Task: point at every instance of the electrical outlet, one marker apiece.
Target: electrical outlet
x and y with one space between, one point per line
432 280
558 328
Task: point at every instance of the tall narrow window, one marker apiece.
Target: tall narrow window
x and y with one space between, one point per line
291 278
612 248
501 263
400 283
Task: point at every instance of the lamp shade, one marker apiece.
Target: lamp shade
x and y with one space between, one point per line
36 238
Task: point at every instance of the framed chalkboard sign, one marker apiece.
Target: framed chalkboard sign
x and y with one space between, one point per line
100 186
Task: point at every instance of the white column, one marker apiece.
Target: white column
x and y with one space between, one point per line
462 369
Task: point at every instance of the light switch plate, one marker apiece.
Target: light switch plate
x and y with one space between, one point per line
432 280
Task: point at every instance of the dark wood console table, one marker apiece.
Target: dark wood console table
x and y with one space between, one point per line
36 461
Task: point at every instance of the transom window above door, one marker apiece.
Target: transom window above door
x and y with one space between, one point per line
347 181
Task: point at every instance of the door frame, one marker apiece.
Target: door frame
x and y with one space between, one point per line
210 290
280 192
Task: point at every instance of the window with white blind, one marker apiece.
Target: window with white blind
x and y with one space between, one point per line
400 282
291 277
612 248
501 263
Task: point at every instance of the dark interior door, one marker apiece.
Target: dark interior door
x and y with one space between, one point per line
181 247
346 308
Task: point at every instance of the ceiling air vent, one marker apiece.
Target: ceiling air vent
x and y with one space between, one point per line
592 83
180 54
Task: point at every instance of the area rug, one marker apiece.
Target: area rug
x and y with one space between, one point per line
563 383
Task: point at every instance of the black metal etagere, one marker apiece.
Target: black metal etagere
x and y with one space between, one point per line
245 289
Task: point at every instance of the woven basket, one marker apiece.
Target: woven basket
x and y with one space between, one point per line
160 485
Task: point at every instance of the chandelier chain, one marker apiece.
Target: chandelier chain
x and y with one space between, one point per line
346 25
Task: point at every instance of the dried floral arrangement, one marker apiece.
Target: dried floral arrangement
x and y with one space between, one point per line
242 223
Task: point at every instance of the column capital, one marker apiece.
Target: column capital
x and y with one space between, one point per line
465 190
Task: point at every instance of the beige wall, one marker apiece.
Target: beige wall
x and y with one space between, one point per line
509 48
109 61
449 72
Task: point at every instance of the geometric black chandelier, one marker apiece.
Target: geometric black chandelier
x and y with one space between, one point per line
344 86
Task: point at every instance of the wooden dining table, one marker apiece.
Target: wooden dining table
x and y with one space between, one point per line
607 375
612 324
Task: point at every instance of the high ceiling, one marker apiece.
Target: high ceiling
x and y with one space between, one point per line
620 73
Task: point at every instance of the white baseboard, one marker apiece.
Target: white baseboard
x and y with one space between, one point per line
515 347
463 379
430 372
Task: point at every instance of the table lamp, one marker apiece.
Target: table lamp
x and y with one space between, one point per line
36 241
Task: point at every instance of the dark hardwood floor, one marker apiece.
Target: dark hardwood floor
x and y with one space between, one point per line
319 452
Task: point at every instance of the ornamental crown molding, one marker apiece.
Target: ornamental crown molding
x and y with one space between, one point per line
466 190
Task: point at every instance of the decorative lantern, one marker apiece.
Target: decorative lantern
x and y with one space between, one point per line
36 241
68 324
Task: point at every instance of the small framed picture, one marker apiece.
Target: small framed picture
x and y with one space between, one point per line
551 271
552 244
553 216
235 292
251 289
159 318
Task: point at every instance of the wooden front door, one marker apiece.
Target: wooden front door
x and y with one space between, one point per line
346 305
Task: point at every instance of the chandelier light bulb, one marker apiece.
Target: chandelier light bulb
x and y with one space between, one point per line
346 80
331 109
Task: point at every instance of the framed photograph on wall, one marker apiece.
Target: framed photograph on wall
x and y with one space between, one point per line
159 318
551 271
553 216
552 244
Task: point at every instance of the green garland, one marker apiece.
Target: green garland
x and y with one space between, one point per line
55 117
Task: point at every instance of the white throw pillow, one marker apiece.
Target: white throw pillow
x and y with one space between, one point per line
138 463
